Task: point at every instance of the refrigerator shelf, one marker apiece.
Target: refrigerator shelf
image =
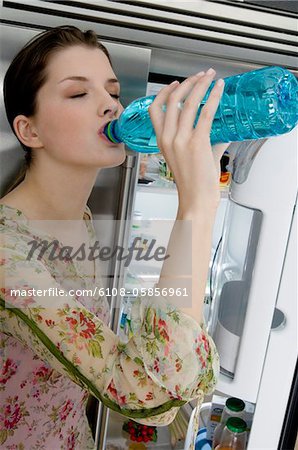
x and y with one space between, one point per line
119 439
162 186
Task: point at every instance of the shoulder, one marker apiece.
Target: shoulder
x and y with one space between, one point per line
14 240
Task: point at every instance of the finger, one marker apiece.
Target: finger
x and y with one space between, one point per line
156 112
174 105
194 100
208 111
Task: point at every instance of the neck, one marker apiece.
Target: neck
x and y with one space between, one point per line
61 193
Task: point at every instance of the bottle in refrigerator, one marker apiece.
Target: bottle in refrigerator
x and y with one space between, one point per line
125 321
234 407
234 435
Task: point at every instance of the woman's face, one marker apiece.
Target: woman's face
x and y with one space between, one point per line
80 96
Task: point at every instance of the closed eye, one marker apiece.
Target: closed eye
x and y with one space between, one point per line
78 95
116 96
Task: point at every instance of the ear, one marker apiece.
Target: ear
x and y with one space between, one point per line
26 131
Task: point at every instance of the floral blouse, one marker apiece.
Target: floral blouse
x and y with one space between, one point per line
56 350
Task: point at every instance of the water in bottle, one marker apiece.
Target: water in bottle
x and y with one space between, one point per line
234 407
254 105
234 436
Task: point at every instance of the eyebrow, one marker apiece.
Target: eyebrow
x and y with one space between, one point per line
80 78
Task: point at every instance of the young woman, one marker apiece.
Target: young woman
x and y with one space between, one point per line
59 92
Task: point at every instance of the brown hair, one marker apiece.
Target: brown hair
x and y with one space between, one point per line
27 74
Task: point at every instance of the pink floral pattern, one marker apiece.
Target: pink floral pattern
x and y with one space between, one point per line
56 350
9 368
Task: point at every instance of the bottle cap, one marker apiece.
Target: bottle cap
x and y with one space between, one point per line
235 404
236 424
110 132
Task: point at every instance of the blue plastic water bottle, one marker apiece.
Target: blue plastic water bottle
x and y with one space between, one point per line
254 105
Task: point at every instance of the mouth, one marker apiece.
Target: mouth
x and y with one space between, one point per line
103 136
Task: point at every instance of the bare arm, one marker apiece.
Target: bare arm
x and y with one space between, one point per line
187 267
195 165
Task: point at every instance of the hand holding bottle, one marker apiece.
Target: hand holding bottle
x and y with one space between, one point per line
196 168
187 150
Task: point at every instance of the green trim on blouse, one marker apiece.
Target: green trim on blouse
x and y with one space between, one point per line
140 413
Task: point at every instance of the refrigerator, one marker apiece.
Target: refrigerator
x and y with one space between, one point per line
251 294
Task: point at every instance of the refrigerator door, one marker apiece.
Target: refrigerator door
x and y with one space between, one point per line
11 153
235 266
250 265
275 420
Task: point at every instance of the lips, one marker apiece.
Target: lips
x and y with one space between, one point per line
103 136
100 131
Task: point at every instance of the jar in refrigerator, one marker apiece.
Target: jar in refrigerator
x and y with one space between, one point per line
234 435
234 407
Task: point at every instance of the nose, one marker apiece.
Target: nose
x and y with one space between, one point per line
109 107
111 111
